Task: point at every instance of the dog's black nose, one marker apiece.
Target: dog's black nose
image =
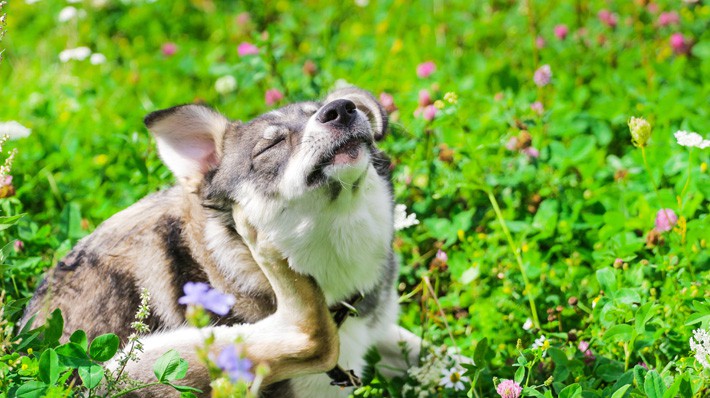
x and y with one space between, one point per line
339 113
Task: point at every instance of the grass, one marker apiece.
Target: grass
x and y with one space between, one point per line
564 239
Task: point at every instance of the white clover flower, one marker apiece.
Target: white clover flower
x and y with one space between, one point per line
79 54
225 84
31 1
13 130
452 378
68 13
97 59
401 219
528 324
691 139
540 342
701 346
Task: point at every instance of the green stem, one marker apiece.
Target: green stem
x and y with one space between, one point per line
124 392
687 181
518 258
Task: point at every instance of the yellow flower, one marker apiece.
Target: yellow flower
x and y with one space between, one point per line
451 97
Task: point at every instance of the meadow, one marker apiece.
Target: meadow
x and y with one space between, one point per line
554 154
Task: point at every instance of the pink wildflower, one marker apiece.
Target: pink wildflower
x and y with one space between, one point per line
169 49
19 245
537 107
652 8
668 18
509 389
608 18
387 102
539 42
643 365
243 18
273 96
584 348
245 49
532 152
429 112
679 43
424 98
426 69
561 31
542 76
665 220
512 143
617 263
442 256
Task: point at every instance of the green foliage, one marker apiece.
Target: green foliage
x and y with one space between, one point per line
561 244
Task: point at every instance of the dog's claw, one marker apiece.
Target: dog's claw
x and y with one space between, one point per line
343 378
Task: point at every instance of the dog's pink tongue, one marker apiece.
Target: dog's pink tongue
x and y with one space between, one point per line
348 154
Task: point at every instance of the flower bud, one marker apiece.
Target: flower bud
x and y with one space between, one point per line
640 131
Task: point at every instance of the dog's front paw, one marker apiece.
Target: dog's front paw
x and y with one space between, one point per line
260 247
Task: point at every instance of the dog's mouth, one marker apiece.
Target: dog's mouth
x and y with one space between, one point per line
347 152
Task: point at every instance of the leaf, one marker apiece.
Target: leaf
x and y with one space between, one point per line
170 367
619 333
184 389
79 337
70 222
72 355
31 389
607 279
571 391
49 367
653 386
621 392
519 375
545 219
479 354
54 327
7 222
91 375
643 315
104 347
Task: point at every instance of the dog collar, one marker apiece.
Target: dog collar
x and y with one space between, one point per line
341 311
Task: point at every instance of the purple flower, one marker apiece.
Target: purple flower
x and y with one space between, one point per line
531 152
665 220
426 69
442 256
429 112
273 96
169 49
19 245
537 107
539 42
236 367
679 43
509 389
245 49
561 31
608 18
424 98
542 76
198 293
668 18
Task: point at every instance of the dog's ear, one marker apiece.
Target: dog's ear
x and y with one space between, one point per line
189 139
368 104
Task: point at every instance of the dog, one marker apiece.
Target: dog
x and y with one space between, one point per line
291 213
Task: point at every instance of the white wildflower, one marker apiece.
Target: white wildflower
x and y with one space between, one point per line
528 324
14 130
540 343
31 1
691 139
362 3
701 346
225 84
74 1
79 54
97 59
401 219
68 13
452 378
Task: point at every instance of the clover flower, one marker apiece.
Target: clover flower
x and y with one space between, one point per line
679 43
198 293
429 112
528 324
225 84
442 256
640 131
608 18
169 49
424 98
537 107
236 367
665 220
539 42
401 219
273 96
97 59
387 102
509 389
13 130
700 344
452 378
561 31
531 152
691 139
542 75
67 13
425 69
668 18
246 48
583 347
78 54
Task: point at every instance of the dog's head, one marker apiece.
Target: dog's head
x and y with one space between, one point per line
320 152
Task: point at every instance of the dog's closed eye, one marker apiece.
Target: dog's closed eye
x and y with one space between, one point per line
266 144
